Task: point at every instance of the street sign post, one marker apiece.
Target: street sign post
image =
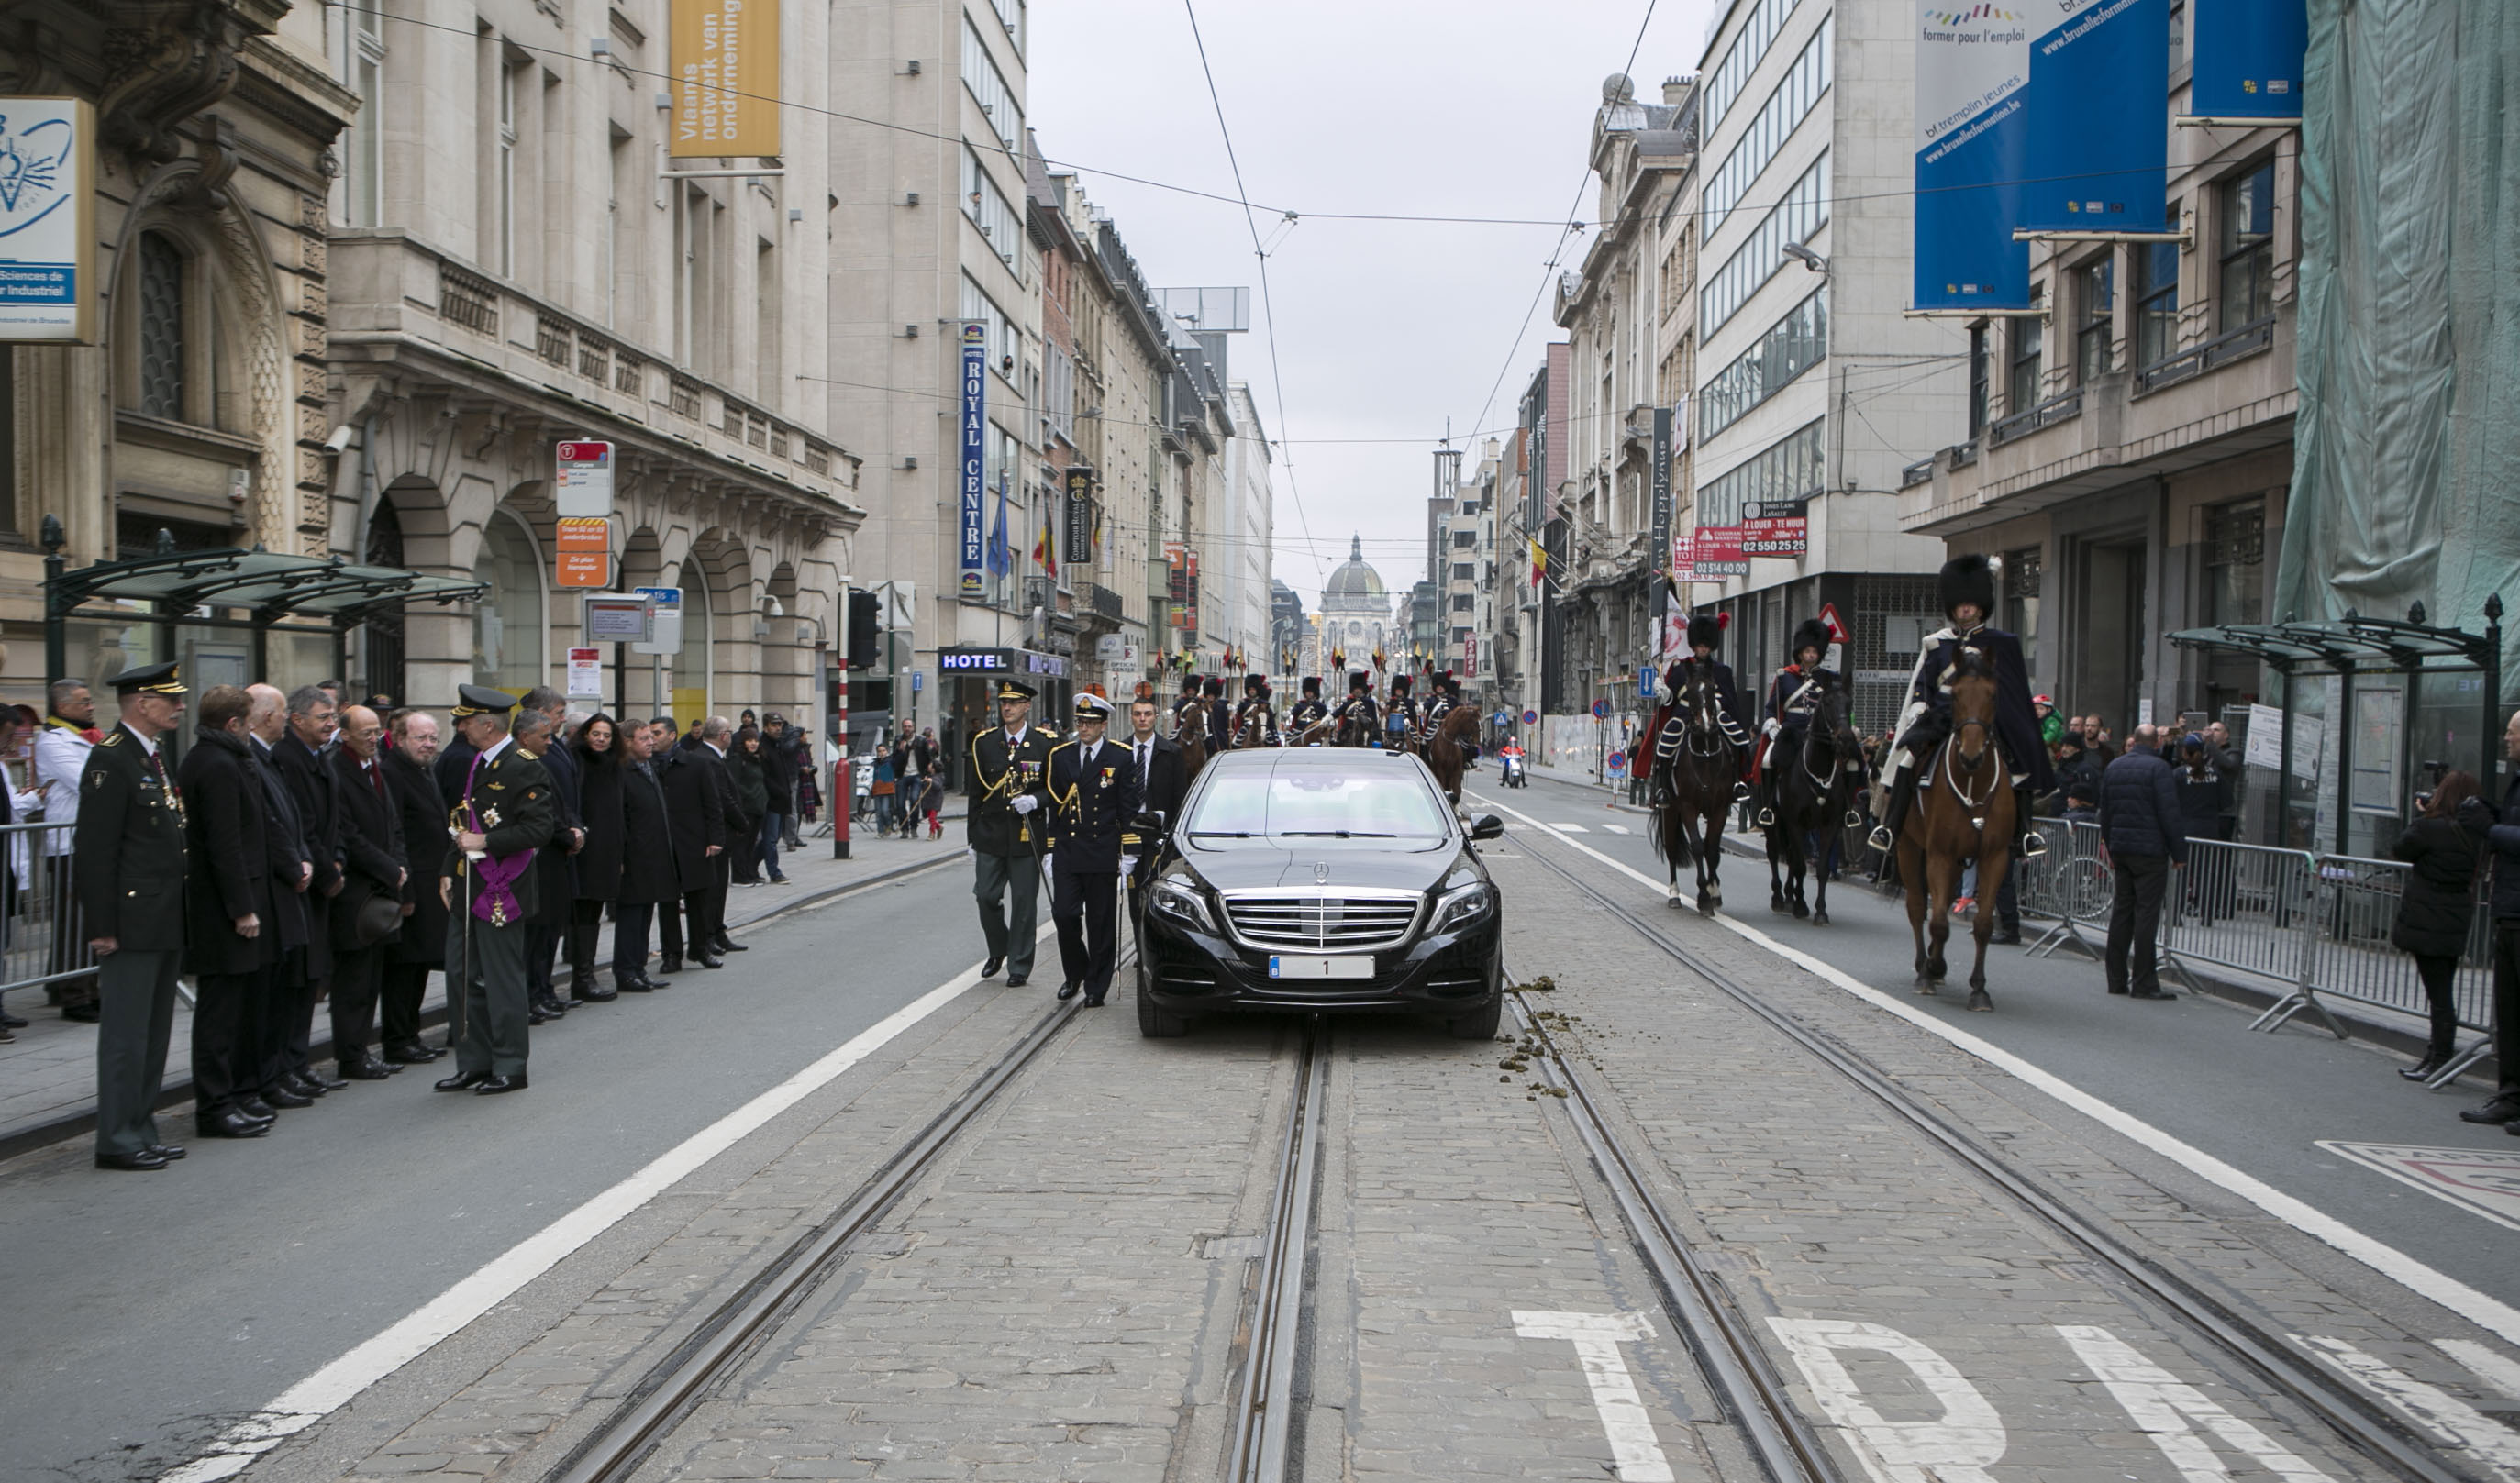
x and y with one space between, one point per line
1644 682
1530 717
585 674
1836 625
1600 711
665 631
582 552
583 489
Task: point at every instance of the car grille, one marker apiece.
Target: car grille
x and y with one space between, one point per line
1322 924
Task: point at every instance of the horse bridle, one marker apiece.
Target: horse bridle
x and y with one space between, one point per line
1703 687
1952 757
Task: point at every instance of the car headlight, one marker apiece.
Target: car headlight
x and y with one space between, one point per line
1182 903
1461 906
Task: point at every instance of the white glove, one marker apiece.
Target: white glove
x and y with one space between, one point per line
1128 865
1025 803
1772 726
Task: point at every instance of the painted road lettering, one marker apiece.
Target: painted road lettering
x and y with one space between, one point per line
2162 1406
1958 1448
1597 1337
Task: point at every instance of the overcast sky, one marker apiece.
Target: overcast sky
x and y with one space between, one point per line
1470 107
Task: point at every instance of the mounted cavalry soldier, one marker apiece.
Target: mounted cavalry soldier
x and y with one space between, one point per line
1360 718
1705 635
1009 787
1093 792
1792 697
1255 720
1187 706
1308 713
1403 724
1968 596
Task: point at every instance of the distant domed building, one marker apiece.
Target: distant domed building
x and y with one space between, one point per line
1356 614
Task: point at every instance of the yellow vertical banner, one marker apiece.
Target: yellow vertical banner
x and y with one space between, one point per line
725 60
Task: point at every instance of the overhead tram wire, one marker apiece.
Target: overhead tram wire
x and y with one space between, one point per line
1267 304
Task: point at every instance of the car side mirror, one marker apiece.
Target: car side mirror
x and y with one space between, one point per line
1149 822
1489 826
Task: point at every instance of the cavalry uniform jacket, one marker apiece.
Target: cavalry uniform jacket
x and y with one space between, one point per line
1793 695
2016 723
1301 719
511 796
999 773
230 858
130 845
1362 711
372 842
1255 724
1091 805
421 812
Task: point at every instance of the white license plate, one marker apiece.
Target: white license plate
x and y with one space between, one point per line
1356 965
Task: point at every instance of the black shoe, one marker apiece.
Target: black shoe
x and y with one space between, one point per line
228 1122
410 1053
630 983
671 962
2423 1069
285 1094
1067 990
1017 981
84 1013
2151 993
2501 1109
646 983
593 995
367 1069
989 969
9 1022
494 1085
167 1151
2005 938
707 961
321 1082
726 944
143 1159
253 1105
463 1081
1093 1000
534 1014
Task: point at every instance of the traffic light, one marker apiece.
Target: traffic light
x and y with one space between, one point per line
864 629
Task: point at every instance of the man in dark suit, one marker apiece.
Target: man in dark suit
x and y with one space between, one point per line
411 780
129 847
1163 776
539 716
650 866
298 757
696 816
371 869
504 815
1008 788
1093 795
229 945
716 735
293 907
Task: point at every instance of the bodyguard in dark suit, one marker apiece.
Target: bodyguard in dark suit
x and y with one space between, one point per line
650 873
1163 776
695 813
1008 785
504 815
130 846
229 942
411 780
371 873
298 758
294 906
1093 795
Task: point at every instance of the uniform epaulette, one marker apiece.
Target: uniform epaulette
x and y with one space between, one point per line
1047 732
113 741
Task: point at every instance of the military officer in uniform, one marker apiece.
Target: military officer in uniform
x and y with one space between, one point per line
503 813
1308 713
1094 793
1008 788
128 847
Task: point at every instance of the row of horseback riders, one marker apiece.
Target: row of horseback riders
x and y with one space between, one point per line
1395 719
1807 688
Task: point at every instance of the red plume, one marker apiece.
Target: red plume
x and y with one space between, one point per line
1723 619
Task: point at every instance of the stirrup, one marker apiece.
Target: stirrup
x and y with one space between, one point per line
1881 838
2033 845
1766 818
1740 792
1854 818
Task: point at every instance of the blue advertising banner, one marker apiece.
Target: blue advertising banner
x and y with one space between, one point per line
2100 117
2247 58
975 427
1972 153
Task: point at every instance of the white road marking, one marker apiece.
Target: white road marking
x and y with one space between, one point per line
1618 829
1958 1448
2491 1444
2482 1181
1573 828
337 1383
2488 1313
2161 1405
1596 1337
2497 1371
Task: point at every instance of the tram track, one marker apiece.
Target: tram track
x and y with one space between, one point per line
1755 1391
1263 1420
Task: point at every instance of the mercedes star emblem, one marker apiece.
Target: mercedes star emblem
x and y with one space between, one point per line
1321 873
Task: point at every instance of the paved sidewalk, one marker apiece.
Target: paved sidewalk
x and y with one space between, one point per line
48 1076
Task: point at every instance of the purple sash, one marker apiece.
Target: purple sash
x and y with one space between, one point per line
496 902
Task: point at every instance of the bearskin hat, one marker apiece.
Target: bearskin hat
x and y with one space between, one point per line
1253 685
1400 684
1358 680
1705 630
1213 686
1312 684
1967 579
1813 634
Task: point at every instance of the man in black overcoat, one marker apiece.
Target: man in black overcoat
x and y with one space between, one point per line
229 944
371 869
295 907
129 845
420 948
539 716
297 755
717 734
1092 795
696 816
650 873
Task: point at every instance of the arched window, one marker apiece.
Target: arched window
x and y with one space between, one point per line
692 661
162 326
512 623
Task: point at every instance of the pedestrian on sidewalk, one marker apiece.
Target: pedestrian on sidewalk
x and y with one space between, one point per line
752 817
2504 840
2140 826
229 946
2442 849
419 949
598 751
650 873
62 748
130 853
298 758
368 914
783 764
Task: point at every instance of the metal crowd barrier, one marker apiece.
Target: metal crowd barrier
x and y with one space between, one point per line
40 940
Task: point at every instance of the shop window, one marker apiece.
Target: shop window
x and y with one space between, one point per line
2235 592
162 326
2248 249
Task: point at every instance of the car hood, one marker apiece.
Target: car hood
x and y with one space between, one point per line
1265 867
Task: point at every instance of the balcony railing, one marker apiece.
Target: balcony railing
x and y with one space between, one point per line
467 299
1917 472
1963 454
2062 407
2221 350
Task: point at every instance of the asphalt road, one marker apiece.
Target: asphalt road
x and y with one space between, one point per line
2192 1068
146 1312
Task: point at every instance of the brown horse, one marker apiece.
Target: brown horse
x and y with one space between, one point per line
1694 773
1448 750
1964 812
1190 734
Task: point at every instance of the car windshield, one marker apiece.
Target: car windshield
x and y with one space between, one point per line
1314 803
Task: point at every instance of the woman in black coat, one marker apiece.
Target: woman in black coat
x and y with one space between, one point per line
2201 788
2442 849
743 766
597 752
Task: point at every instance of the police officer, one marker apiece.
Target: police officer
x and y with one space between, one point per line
1360 718
1792 697
129 848
1968 590
503 815
1009 786
1094 793
1255 720
1308 713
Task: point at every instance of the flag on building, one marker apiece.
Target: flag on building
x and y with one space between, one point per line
1539 564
